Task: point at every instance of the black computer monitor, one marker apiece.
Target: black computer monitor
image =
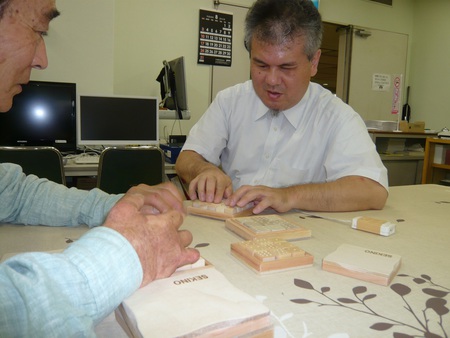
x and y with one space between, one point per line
43 114
172 79
117 121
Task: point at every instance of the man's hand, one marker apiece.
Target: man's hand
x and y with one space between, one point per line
211 185
159 198
348 193
149 218
207 182
263 197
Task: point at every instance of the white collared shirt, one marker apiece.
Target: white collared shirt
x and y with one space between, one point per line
320 139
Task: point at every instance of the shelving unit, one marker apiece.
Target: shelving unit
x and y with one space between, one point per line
395 148
435 172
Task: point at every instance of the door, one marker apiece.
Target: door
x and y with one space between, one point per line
379 54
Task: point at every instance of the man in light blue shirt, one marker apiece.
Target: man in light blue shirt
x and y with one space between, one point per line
67 294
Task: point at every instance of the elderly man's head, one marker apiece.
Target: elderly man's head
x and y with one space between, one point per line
22 27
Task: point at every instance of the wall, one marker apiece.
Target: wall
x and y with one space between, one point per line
118 46
426 22
398 18
148 32
430 75
80 46
145 37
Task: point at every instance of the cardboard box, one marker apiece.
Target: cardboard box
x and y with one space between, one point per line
171 152
417 127
412 127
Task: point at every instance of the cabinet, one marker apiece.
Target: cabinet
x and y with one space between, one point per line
436 168
402 155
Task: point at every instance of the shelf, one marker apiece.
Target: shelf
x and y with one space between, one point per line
441 166
402 154
435 172
401 157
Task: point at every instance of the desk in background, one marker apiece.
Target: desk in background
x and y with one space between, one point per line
402 154
316 303
84 175
76 169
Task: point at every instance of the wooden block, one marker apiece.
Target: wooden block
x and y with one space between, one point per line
218 210
267 226
264 255
361 263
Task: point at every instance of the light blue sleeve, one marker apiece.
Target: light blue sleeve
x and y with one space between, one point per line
67 294
31 200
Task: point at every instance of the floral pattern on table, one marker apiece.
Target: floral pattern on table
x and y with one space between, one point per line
435 310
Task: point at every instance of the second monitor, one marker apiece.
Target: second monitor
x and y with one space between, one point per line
117 121
172 79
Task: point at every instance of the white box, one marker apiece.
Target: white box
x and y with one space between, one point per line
439 154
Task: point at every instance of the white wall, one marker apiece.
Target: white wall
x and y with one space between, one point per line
398 18
148 32
118 46
80 46
430 68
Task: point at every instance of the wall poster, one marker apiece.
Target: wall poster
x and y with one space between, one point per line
215 38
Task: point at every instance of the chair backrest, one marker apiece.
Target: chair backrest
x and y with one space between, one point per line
121 168
44 162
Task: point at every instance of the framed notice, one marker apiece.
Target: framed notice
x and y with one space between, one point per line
215 38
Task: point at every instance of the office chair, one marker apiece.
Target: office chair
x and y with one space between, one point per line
121 168
44 162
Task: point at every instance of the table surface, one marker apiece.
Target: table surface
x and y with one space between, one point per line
313 302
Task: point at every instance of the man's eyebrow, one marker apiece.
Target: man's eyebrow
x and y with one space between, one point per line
287 64
255 59
52 14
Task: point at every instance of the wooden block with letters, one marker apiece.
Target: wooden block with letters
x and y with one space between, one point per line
271 254
267 226
218 210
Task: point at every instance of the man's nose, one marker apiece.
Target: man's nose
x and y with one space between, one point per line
40 60
273 76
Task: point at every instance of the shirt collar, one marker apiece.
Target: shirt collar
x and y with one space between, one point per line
261 111
292 114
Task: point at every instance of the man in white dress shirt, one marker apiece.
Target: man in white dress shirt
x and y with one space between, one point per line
279 140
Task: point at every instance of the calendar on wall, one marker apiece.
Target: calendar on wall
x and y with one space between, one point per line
215 38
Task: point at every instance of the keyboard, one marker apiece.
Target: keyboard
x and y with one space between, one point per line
218 210
87 159
266 226
271 254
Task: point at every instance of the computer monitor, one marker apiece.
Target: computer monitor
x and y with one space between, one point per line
172 79
117 121
43 114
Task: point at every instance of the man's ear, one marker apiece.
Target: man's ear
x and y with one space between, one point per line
315 62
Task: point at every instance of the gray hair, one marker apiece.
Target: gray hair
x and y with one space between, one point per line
3 5
280 21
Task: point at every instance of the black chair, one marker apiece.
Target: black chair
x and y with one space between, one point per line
44 162
121 168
